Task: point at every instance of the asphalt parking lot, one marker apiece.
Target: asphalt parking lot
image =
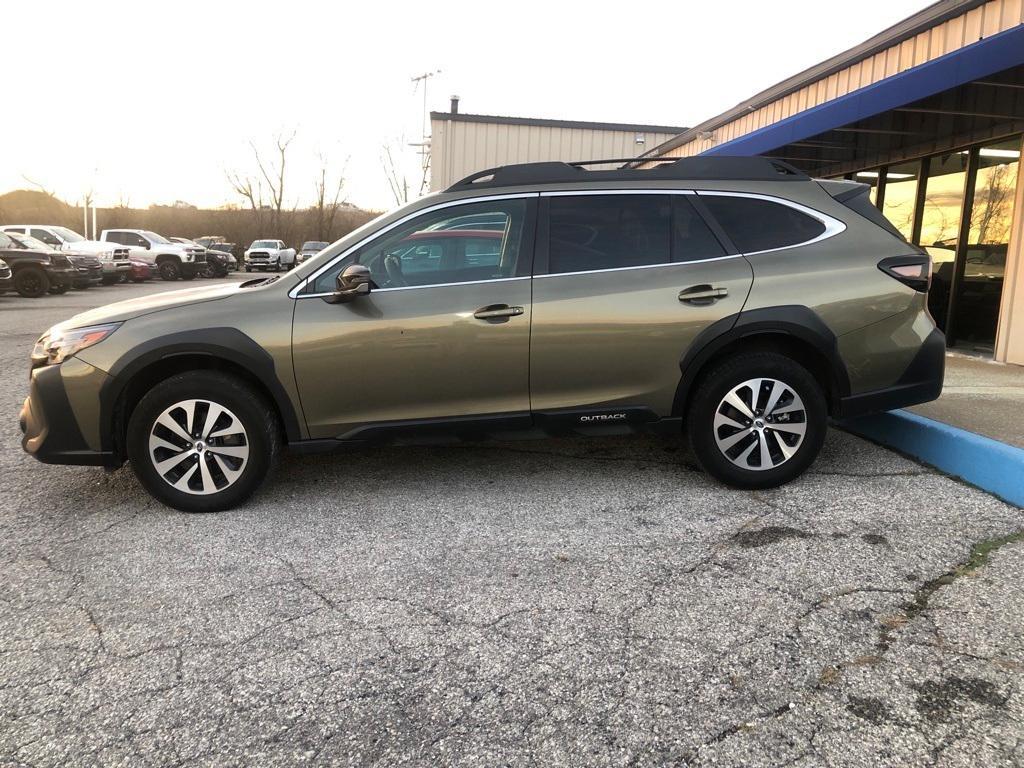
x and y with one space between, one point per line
573 602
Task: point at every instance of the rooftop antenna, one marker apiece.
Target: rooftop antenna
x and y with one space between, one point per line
424 144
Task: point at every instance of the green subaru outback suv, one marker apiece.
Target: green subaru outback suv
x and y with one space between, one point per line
733 299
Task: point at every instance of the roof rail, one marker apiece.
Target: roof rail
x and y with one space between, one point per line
666 169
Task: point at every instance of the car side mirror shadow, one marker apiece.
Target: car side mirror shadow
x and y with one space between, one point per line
353 281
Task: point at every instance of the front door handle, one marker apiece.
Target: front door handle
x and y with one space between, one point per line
497 312
701 295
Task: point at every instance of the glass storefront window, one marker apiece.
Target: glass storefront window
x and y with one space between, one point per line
977 305
901 195
940 225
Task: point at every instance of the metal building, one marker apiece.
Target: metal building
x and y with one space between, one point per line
930 112
462 144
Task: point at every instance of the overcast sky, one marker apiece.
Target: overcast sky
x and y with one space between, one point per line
154 102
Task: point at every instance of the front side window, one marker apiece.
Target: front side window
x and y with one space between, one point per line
437 248
596 232
755 225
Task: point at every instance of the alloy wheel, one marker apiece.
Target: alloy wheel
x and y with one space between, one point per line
198 447
760 424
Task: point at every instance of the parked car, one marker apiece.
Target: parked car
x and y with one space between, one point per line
171 260
310 248
89 269
113 258
216 262
6 282
141 272
269 255
228 249
36 273
693 293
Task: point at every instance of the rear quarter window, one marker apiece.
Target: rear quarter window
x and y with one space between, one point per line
755 225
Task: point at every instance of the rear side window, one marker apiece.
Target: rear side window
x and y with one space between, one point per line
594 232
761 225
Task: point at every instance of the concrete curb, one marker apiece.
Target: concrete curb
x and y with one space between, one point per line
992 466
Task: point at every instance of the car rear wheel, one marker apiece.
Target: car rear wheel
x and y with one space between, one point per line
202 441
169 269
757 420
31 282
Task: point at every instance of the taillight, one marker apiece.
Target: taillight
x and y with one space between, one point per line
912 271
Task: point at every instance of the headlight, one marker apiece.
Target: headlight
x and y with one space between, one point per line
57 346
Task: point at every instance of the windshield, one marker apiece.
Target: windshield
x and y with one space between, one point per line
314 245
67 235
264 244
153 237
225 247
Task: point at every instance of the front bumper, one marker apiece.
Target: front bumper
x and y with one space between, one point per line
6 280
111 268
51 429
920 383
87 276
62 277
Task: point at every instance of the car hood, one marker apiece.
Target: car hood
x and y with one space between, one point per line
144 305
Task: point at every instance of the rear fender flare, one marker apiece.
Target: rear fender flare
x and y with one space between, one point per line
793 321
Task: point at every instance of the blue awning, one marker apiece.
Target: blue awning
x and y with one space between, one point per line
977 60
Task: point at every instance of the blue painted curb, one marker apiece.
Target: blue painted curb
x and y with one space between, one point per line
992 466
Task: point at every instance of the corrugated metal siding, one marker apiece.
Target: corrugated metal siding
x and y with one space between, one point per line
458 148
983 21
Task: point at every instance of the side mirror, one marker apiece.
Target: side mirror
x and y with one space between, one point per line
352 282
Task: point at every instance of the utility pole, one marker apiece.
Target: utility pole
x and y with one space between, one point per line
424 143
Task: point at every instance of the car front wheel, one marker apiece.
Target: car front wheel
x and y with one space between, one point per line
202 441
31 282
757 420
170 269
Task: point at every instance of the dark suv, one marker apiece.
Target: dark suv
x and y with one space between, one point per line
734 298
36 272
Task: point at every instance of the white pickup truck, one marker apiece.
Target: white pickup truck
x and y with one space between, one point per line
269 254
171 260
113 258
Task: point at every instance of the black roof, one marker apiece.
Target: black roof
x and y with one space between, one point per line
666 169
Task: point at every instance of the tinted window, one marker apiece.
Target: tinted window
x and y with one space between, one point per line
46 237
692 238
588 232
760 225
115 237
443 247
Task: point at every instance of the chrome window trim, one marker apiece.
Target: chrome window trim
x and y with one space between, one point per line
833 226
294 292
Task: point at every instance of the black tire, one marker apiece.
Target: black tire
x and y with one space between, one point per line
31 282
731 373
169 269
207 272
188 275
248 269
263 438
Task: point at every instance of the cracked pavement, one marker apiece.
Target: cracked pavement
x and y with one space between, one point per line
570 602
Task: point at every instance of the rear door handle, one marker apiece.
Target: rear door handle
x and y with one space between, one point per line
700 295
497 311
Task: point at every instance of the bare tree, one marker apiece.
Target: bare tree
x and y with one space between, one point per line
269 181
40 187
397 180
993 205
328 199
